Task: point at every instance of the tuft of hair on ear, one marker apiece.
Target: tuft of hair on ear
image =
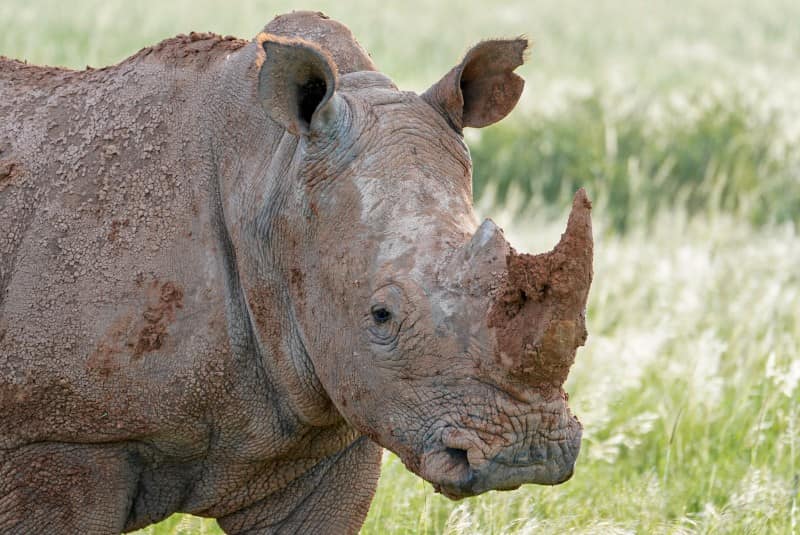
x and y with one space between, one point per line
526 53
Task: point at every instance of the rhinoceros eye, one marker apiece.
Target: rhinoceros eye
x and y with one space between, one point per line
381 314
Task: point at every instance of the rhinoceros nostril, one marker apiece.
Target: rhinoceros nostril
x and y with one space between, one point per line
458 456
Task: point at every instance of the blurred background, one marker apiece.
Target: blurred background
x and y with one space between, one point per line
682 121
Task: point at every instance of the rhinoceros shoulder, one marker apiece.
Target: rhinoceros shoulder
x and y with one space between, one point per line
197 49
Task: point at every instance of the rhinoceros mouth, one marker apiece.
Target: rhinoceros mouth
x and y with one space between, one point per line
458 473
449 471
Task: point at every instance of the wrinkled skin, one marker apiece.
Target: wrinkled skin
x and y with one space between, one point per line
231 271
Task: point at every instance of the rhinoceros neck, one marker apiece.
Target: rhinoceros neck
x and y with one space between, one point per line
258 188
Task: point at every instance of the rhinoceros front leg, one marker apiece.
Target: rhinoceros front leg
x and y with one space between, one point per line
333 498
65 488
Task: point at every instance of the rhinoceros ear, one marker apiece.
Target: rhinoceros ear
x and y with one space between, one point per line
483 88
296 82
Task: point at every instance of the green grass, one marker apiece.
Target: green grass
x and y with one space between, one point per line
704 154
683 122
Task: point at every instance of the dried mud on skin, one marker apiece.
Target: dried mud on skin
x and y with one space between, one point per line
539 312
158 317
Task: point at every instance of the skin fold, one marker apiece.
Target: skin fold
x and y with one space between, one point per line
233 270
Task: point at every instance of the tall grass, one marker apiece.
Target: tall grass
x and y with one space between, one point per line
705 154
682 119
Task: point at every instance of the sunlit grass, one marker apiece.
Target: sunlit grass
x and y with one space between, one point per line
182 525
683 122
639 155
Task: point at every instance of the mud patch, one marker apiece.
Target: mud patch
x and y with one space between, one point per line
296 280
102 360
116 226
158 317
539 314
8 169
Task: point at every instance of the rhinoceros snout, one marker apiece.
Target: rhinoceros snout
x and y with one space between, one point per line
460 472
532 315
547 463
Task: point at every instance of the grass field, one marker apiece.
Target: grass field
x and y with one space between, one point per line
682 119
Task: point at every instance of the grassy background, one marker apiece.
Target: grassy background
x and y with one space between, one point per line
682 119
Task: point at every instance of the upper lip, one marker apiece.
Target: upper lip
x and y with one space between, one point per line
449 471
453 471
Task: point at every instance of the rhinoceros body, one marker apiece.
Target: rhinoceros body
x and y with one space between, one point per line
232 270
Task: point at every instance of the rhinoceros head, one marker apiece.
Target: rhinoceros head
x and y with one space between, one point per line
426 331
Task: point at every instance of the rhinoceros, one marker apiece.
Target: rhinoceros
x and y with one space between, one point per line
233 271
